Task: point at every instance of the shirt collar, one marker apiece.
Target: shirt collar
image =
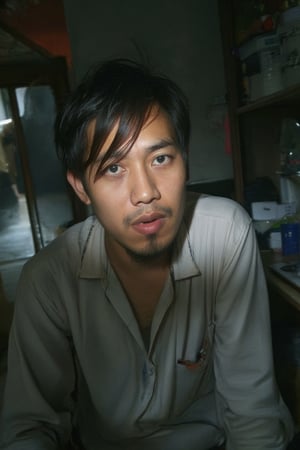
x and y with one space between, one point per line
93 255
184 265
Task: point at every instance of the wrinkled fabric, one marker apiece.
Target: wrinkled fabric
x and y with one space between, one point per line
77 357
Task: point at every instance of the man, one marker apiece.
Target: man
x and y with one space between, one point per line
147 325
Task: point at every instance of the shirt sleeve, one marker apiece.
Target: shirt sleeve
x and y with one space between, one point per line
250 406
38 405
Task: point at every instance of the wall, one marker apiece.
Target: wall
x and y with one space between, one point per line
182 39
41 25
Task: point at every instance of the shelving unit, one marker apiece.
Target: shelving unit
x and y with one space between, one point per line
255 127
288 97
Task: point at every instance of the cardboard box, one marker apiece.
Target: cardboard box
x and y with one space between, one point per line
272 210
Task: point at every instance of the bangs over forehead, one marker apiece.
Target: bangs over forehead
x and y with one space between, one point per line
127 124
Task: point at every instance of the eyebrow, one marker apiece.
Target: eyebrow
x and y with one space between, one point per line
162 143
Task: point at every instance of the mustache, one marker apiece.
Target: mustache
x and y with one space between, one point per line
167 212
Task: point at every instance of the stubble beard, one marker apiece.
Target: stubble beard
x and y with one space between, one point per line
151 252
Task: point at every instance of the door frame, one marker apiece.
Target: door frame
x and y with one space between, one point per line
52 72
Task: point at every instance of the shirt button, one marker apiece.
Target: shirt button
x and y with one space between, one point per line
151 371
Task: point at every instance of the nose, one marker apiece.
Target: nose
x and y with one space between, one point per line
144 188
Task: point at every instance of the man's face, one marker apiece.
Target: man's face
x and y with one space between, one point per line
140 199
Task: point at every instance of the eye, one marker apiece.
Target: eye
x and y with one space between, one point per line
161 159
114 169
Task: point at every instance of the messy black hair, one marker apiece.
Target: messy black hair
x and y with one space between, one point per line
119 92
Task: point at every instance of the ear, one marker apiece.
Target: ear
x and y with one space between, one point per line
78 187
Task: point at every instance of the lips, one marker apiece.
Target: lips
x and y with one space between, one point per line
149 223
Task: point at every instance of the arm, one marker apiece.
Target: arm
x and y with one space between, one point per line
251 408
37 405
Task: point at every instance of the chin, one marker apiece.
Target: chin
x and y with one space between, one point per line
151 252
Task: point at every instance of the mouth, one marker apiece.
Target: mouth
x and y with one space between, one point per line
148 218
149 223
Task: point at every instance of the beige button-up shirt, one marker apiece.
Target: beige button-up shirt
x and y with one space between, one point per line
77 355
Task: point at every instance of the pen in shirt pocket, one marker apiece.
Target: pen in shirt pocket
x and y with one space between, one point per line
198 362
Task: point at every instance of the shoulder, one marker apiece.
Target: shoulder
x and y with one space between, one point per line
64 252
215 208
209 215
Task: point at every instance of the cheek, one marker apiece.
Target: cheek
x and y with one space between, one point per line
180 177
108 217
177 186
112 207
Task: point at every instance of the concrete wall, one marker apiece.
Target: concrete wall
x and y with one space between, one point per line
180 38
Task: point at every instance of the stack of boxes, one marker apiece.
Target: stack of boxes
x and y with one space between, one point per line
261 66
270 61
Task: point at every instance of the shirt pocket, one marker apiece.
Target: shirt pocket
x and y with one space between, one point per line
195 376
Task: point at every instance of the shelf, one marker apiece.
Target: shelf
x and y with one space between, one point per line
288 96
286 290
